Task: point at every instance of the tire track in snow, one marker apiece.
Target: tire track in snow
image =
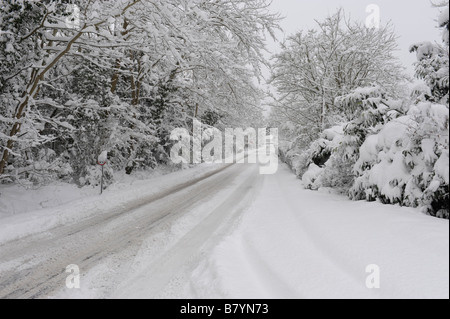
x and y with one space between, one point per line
184 255
273 283
330 253
44 260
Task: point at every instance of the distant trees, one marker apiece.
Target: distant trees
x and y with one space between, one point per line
317 66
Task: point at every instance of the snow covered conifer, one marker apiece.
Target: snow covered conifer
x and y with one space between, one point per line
371 110
432 64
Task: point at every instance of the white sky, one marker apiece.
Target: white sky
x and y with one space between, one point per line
414 20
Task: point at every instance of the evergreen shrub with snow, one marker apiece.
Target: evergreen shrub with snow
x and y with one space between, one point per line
407 162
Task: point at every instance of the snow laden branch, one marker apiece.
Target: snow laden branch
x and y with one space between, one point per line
38 76
317 66
122 75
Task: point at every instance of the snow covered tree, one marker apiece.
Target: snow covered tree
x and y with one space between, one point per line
406 163
51 40
120 75
443 20
318 66
384 148
341 145
370 109
432 66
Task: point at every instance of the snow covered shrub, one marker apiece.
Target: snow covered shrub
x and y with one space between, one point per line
443 21
295 141
406 163
316 155
316 160
428 157
328 161
41 167
310 177
93 176
381 167
432 66
369 110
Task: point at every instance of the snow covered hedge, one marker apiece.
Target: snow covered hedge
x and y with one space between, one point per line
340 145
404 161
407 162
383 155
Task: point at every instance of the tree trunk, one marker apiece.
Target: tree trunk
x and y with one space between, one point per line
115 77
33 87
32 90
196 110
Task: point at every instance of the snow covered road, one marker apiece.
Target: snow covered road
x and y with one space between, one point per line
170 227
229 232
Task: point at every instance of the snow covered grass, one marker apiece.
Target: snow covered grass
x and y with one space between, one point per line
294 243
25 212
17 199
